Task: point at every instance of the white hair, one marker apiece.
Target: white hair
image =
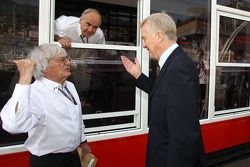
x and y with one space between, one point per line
163 22
42 54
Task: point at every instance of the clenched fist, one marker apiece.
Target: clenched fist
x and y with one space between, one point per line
25 68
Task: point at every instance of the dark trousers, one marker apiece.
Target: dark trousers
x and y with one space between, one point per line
56 160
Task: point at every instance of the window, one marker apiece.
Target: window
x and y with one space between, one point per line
193 31
232 88
102 83
119 19
237 4
234 38
106 90
232 71
18 35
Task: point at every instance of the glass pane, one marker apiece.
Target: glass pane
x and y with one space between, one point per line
193 30
234 40
101 80
232 88
108 121
18 35
118 18
237 4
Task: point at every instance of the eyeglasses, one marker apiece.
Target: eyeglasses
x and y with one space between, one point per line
63 59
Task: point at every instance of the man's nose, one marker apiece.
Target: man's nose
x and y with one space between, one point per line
92 28
67 61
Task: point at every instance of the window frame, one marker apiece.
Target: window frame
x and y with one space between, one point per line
139 117
234 14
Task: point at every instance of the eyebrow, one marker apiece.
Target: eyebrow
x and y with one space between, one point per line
96 26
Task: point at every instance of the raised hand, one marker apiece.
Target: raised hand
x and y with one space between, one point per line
25 68
133 68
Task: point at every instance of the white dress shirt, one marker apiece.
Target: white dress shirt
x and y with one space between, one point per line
166 54
53 122
69 26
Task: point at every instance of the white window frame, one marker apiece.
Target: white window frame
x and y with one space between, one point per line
139 126
217 11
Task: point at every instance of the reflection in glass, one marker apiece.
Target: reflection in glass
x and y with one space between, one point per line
18 35
193 31
232 88
109 121
101 80
237 4
234 40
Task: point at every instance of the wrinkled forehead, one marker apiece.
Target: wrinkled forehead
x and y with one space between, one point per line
92 18
146 30
59 55
55 52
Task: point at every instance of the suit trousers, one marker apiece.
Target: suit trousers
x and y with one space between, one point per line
70 159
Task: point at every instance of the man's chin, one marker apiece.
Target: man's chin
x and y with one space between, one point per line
87 35
68 74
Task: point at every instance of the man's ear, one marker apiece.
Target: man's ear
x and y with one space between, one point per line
81 18
159 36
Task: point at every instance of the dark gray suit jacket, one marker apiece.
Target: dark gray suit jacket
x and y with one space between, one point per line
174 138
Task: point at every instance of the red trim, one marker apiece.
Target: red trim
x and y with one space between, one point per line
15 160
130 151
122 152
225 134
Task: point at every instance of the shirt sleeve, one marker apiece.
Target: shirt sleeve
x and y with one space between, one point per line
62 23
17 121
83 138
101 38
59 26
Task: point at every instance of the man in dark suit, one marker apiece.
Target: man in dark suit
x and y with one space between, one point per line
174 138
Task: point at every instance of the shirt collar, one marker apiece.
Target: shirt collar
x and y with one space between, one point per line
79 32
166 54
53 86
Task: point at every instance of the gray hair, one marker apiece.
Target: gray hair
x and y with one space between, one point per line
91 10
42 54
163 22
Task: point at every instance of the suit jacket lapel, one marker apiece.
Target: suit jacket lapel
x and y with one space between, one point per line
163 70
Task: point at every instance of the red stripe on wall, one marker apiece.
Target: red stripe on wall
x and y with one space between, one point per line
15 160
122 152
225 134
130 151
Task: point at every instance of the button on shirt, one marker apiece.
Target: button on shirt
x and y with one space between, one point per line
53 122
69 26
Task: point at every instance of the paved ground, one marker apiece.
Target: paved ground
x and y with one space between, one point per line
240 162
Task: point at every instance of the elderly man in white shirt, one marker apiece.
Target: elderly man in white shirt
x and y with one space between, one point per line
48 109
80 30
